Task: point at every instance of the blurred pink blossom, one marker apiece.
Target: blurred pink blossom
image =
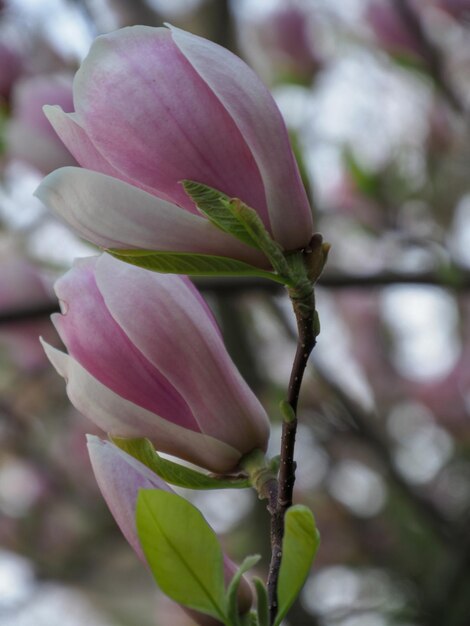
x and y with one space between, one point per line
22 287
391 31
280 45
30 136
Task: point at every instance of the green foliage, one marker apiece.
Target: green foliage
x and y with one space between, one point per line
182 550
300 543
232 608
173 473
216 206
262 602
287 411
254 225
236 218
190 264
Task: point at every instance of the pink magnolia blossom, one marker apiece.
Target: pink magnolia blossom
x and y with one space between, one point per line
119 477
146 359
30 136
390 29
155 106
281 43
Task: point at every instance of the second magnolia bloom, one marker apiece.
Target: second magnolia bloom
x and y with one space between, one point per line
146 359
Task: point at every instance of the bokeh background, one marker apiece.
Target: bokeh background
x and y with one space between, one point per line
376 96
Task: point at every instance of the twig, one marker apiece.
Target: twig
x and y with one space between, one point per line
304 311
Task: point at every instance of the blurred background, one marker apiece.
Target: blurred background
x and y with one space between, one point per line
376 96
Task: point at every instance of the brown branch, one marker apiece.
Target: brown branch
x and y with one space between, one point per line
304 311
330 280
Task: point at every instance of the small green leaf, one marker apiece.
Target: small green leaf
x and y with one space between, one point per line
300 543
232 607
249 619
216 206
173 473
182 551
191 264
255 227
287 411
262 602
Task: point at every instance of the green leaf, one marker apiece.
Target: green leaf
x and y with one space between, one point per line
173 473
191 264
249 619
300 543
287 412
262 602
182 551
255 227
216 206
232 607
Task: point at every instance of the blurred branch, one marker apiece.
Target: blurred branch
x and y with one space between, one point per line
454 277
459 280
432 56
363 427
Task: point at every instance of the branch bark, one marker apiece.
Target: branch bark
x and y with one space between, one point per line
304 312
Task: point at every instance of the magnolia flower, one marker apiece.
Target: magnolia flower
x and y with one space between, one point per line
119 477
281 44
153 107
146 359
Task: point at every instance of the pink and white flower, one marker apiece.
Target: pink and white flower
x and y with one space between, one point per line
146 359
153 107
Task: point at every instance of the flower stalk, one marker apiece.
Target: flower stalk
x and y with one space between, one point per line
308 266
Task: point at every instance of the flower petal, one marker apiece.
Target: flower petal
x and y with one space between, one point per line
193 359
150 114
76 140
97 342
119 477
122 418
112 214
257 117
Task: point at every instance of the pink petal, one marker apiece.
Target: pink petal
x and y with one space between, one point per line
185 348
119 477
76 140
113 214
97 342
150 114
122 418
258 119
